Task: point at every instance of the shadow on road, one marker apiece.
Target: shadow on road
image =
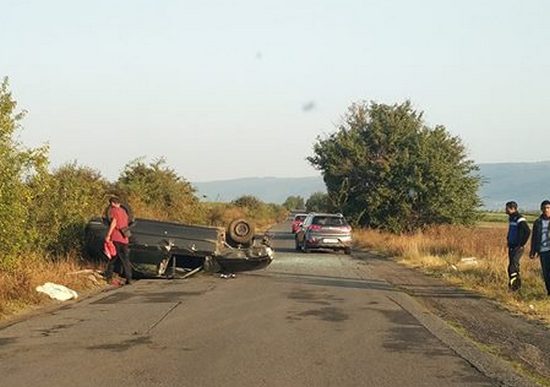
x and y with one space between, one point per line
436 291
7 340
280 235
309 279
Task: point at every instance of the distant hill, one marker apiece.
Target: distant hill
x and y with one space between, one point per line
526 183
268 189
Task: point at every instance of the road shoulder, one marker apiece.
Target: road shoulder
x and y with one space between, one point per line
522 343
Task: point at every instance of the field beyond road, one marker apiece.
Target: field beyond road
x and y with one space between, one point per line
472 257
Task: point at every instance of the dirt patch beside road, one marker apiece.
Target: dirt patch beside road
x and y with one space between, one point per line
524 343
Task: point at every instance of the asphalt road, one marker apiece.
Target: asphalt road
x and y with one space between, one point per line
318 319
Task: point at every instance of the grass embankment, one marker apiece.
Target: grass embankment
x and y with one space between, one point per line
18 283
439 251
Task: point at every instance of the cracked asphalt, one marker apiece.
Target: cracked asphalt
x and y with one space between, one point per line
318 319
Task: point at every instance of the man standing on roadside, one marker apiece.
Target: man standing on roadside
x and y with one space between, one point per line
118 218
518 234
540 242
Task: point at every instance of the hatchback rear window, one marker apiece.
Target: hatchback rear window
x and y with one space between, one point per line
300 217
329 221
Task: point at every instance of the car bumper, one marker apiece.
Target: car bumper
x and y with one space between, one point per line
329 242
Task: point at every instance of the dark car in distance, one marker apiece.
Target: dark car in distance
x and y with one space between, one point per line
324 231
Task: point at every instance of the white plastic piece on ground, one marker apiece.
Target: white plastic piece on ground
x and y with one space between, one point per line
57 292
469 260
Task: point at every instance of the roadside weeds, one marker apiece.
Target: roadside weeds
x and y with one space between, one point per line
473 258
18 283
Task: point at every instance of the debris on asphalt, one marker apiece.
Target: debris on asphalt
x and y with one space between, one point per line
192 272
229 275
57 292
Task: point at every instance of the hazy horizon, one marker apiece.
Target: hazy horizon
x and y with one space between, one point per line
237 89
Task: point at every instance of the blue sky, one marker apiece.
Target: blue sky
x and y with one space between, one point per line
226 89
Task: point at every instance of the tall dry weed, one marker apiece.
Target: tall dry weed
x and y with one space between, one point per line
19 282
441 249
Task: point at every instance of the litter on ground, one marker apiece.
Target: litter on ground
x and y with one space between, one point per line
469 261
57 292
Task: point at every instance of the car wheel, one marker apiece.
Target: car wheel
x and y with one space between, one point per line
240 231
347 251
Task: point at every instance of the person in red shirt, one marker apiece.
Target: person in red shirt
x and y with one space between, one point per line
118 221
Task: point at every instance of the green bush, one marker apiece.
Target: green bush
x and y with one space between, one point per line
65 201
156 191
17 166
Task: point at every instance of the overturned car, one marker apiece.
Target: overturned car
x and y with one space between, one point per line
164 249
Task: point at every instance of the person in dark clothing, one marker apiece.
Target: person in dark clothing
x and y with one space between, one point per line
540 242
118 222
518 234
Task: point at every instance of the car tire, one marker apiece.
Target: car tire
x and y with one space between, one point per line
347 251
241 231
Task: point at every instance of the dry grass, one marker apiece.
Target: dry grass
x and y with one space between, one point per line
439 251
18 283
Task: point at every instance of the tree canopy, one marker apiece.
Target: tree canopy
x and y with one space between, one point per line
294 203
156 191
318 202
385 168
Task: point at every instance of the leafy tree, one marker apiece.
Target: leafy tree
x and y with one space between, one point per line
294 202
248 201
384 167
65 201
318 202
17 166
156 191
